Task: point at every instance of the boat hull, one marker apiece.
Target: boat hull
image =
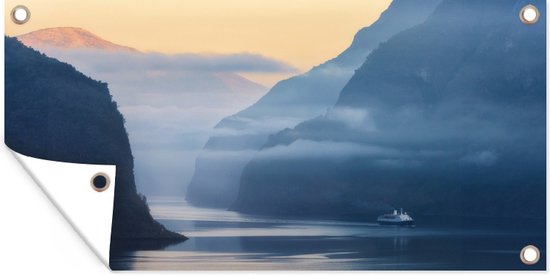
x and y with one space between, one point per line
397 223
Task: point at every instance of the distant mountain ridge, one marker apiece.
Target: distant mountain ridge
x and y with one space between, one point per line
69 38
54 112
288 103
160 84
450 125
59 42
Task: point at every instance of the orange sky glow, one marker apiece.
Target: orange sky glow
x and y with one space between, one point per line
302 33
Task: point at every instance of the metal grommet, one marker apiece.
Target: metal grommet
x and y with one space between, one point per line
529 15
530 255
20 15
100 182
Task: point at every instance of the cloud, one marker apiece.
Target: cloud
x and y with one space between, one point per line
325 149
108 61
483 158
332 150
306 149
355 118
263 125
171 103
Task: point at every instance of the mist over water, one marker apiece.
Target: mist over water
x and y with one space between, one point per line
225 240
451 126
171 103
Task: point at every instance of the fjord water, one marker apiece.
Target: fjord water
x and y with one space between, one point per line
220 239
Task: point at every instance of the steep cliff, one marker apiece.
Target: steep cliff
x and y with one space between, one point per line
289 102
445 118
56 113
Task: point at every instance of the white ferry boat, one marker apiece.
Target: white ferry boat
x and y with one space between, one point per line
396 218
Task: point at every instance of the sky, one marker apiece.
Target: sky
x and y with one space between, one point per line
302 33
186 45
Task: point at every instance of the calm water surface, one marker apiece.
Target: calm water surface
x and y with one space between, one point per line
227 240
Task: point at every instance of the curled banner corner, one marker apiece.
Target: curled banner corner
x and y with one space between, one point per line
68 186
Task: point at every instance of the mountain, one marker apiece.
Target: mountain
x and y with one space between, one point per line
447 119
83 49
69 38
87 52
240 85
158 94
56 113
289 102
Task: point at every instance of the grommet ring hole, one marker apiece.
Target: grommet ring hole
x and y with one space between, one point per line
530 255
529 15
20 15
100 182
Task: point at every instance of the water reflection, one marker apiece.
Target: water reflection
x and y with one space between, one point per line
230 241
